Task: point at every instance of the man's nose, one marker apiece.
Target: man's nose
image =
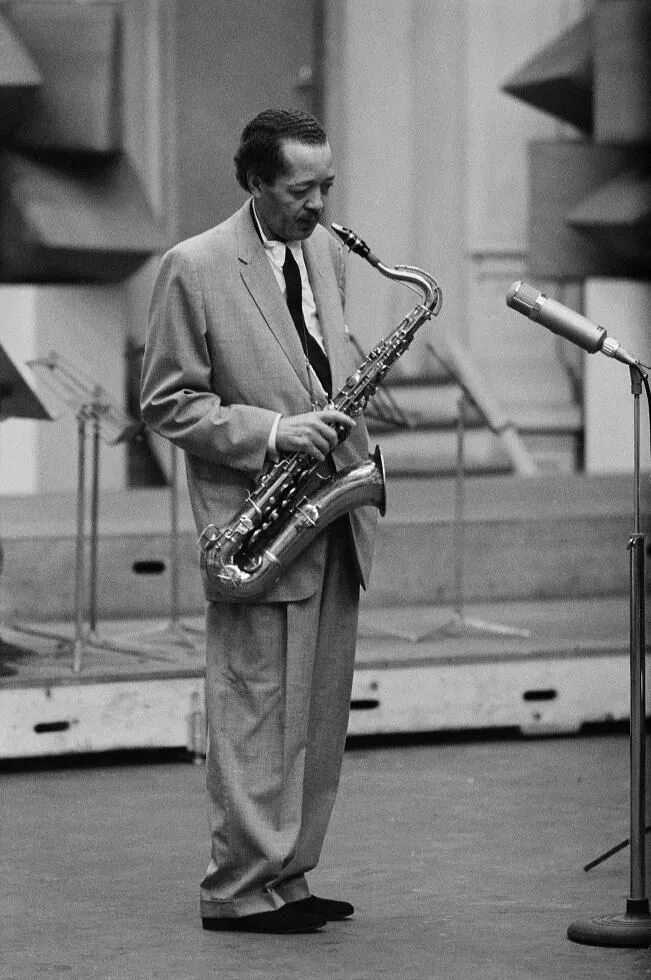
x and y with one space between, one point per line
315 202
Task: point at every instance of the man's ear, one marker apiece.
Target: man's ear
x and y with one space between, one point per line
254 183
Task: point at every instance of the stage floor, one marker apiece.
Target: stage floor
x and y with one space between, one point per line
463 858
545 667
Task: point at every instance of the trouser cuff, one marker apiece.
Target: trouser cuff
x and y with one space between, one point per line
293 890
266 901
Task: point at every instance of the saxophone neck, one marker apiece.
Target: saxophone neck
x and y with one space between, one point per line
416 279
410 275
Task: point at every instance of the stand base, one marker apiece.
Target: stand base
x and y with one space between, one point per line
630 929
92 639
89 639
175 633
461 625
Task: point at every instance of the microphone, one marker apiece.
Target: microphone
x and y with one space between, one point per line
566 323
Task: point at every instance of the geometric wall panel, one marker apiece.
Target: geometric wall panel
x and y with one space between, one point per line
73 220
72 208
618 213
622 37
562 175
76 48
19 80
590 209
559 78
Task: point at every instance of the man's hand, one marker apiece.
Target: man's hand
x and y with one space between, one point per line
313 433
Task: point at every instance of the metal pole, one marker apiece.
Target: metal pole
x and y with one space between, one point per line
94 525
633 927
80 544
638 900
174 537
460 622
459 543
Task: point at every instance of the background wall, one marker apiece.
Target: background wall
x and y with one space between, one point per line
432 169
89 324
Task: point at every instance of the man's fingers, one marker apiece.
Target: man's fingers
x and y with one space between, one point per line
333 417
314 433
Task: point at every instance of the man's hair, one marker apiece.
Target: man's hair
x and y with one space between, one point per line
260 149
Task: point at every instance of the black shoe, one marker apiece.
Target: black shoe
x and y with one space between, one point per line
327 908
286 919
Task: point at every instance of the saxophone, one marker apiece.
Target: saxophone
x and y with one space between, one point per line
290 503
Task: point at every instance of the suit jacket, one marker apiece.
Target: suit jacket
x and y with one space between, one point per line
223 357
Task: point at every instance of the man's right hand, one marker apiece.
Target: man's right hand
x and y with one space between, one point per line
313 433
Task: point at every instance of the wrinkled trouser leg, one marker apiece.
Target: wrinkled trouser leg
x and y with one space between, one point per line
278 684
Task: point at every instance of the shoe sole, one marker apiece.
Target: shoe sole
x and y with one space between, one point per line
232 925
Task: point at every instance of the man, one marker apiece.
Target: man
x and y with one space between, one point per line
234 379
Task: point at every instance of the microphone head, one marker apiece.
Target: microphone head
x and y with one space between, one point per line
523 298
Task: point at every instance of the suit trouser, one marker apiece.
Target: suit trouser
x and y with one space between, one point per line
278 685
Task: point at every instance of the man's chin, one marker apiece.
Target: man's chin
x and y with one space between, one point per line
305 228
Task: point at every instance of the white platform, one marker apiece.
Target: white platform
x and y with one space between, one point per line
419 669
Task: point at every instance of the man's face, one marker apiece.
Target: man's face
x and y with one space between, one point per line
289 209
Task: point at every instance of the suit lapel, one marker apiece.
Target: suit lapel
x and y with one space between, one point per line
260 281
328 304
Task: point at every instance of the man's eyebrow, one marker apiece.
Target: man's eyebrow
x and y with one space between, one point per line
330 179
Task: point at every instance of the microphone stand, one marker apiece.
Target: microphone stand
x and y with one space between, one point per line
19 399
460 624
631 928
91 404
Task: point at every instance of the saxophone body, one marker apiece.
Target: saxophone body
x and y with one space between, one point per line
292 501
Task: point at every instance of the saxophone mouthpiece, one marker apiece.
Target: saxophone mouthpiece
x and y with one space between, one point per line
355 243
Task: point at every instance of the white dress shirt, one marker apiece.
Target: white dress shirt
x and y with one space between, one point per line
275 252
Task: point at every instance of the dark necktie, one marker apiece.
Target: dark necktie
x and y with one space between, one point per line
311 347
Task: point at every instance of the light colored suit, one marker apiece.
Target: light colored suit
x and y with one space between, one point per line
222 358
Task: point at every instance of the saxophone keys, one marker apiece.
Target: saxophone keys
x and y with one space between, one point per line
244 525
208 537
309 513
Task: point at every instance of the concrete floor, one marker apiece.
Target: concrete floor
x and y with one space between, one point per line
464 860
